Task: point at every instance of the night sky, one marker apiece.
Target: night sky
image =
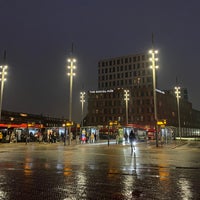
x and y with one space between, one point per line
38 35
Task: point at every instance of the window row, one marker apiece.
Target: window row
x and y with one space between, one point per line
126 82
123 60
139 104
124 68
131 119
125 75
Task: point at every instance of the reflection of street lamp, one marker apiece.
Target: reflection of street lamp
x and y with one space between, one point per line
2 79
126 98
178 96
82 100
153 66
71 67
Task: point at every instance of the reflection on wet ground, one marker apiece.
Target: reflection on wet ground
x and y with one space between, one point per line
97 172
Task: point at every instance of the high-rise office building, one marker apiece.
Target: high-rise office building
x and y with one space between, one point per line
115 75
130 71
133 73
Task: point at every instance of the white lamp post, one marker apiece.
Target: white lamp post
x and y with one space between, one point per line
2 79
178 96
82 100
126 98
71 73
153 66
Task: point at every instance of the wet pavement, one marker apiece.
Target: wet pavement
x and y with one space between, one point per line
98 171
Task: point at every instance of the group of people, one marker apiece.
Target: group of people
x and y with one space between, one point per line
86 137
131 137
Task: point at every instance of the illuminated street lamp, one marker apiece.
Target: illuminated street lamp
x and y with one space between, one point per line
82 100
178 96
3 73
71 61
126 99
71 73
153 66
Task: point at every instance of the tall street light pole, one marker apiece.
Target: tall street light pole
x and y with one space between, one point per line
71 61
126 98
3 73
71 73
82 100
153 66
178 96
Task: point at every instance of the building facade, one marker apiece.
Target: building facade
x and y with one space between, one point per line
130 71
133 73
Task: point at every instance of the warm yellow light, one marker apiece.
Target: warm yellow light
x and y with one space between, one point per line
72 60
23 114
150 51
177 92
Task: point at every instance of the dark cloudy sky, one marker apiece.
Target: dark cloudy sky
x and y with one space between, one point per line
38 34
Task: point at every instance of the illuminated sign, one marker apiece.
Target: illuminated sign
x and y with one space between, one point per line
113 123
100 91
163 122
69 123
23 114
160 91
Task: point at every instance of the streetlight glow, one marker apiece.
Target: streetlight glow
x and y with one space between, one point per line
3 74
71 73
82 100
178 96
153 66
126 99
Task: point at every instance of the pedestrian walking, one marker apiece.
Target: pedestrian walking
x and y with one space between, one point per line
132 139
92 137
126 137
117 138
77 138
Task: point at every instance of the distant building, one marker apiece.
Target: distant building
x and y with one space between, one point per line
183 93
9 117
132 72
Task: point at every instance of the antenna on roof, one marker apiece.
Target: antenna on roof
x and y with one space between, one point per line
177 81
72 49
152 40
4 57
